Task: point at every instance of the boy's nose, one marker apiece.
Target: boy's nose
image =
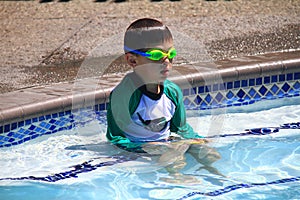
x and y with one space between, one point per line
166 61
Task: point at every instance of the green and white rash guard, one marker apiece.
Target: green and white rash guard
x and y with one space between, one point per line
135 116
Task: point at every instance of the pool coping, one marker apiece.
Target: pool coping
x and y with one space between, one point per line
42 100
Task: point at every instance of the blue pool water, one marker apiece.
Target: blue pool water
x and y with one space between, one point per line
79 164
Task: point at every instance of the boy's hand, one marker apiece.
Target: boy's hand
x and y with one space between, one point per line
192 141
184 141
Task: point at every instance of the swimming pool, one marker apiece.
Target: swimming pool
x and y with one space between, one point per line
79 164
251 118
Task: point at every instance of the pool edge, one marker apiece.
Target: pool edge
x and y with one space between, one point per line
44 100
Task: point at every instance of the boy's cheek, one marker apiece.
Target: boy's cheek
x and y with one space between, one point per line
149 72
149 67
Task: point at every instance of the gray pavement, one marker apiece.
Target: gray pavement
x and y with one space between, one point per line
46 43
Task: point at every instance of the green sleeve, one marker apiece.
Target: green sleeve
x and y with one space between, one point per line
115 135
178 121
119 113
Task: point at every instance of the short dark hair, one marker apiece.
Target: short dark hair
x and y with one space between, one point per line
145 32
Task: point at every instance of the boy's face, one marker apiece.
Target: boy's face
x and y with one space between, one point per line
152 71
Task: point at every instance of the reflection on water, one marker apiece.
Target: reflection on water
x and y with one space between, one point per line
171 173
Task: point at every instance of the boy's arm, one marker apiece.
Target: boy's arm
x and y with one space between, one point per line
180 126
115 135
178 122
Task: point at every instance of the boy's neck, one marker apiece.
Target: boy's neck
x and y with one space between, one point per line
153 88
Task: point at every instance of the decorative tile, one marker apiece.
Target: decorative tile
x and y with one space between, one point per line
222 86
281 77
241 93
186 102
251 82
208 88
244 83
215 87
198 100
219 97
289 77
274 79
208 98
259 81
296 86
274 89
229 85
228 94
246 92
186 92
267 80
194 91
262 90
252 92
237 84
286 87
200 89
18 133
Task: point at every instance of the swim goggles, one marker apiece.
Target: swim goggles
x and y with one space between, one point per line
154 54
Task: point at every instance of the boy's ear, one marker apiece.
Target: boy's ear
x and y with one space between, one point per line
131 59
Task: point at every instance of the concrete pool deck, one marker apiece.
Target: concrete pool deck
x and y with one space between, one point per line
44 45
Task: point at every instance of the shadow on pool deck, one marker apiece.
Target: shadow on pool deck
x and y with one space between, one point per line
45 43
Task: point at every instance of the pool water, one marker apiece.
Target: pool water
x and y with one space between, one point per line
80 164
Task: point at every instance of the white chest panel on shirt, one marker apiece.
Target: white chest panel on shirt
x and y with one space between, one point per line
154 116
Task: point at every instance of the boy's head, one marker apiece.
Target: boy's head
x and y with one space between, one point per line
148 46
146 33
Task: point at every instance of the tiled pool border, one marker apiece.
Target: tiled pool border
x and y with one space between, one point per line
245 82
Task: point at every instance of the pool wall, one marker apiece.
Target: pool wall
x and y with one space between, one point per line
29 113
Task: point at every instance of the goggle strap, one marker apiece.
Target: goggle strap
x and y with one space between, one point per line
137 52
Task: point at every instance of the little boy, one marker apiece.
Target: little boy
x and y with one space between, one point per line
145 106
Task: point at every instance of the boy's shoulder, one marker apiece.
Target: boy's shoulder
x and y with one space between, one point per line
173 91
170 85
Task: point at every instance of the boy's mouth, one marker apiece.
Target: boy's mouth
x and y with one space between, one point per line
165 72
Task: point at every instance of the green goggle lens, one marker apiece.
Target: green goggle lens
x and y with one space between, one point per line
154 54
157 54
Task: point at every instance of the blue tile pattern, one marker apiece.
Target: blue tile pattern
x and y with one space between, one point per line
18 133
228 94
243 92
